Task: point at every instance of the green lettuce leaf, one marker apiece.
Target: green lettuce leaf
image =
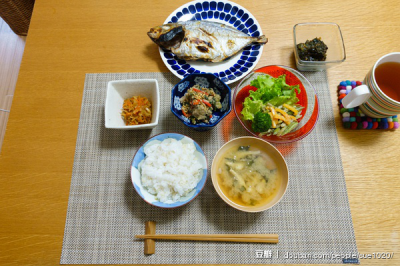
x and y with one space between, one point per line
250 108
267 86
269 90
280 100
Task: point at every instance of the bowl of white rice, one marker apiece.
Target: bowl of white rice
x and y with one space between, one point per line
169 170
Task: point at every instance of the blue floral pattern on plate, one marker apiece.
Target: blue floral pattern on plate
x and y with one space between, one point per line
214 118
183 86
206 80
177 103
225 105
225 12
202 82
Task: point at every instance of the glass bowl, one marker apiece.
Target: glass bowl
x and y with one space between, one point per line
307 98
330 34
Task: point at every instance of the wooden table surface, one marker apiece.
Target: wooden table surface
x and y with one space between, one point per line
69 38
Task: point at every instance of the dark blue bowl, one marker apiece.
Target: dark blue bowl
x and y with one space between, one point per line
207 80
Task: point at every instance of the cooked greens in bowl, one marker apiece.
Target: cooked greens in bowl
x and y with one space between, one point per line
198 104
200 101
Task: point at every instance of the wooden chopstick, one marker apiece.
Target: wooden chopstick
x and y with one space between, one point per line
210 235
252 238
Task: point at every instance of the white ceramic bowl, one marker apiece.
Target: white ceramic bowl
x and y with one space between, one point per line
119 90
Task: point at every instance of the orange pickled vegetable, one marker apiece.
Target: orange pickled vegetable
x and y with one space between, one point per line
136 111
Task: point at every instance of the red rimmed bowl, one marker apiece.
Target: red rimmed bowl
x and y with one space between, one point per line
307 98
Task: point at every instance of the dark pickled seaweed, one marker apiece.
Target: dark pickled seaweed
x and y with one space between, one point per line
314 50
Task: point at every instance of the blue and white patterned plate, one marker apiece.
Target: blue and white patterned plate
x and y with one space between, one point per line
139 157
225 12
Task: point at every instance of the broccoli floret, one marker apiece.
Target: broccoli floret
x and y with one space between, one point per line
262 122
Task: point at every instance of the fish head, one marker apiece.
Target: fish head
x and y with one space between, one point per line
168 35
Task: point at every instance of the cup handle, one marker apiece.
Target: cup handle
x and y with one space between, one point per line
356 97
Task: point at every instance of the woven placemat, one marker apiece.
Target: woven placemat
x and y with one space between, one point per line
313 219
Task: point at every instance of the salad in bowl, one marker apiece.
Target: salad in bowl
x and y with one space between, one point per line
276 103
272 108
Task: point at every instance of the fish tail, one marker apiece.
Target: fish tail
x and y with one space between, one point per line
261 40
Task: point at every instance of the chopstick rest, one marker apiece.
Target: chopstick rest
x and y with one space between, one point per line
149 244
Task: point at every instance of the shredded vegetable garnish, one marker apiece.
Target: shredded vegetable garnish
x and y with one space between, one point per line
136 111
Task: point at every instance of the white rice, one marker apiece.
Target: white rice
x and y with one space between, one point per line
170 169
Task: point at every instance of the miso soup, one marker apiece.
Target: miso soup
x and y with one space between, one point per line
248 176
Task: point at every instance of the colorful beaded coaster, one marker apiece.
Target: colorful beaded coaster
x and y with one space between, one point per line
354 118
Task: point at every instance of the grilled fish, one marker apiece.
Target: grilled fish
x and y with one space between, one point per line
202 40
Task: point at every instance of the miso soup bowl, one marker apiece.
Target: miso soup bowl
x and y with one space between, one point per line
263 146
